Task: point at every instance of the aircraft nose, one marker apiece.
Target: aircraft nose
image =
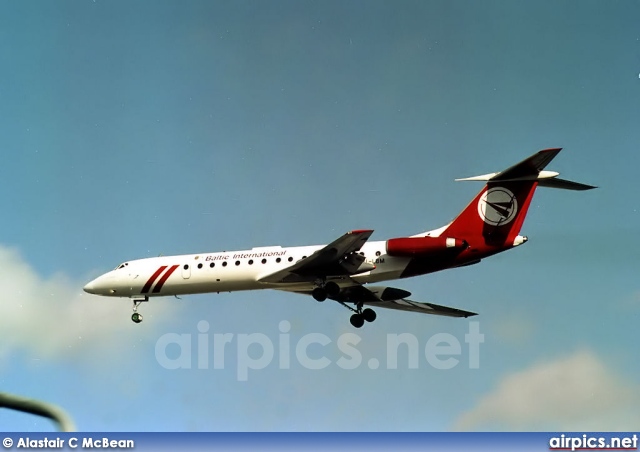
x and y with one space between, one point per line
90 287
102 285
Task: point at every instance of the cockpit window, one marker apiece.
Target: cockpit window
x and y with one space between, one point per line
122 266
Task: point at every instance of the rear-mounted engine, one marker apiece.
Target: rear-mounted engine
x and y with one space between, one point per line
423 246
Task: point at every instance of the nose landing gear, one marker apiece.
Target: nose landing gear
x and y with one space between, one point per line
136 317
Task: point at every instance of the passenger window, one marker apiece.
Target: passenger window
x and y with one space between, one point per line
237 262
224 264
186 267
212 264
264 261
278 260
250 261
199 265
290 259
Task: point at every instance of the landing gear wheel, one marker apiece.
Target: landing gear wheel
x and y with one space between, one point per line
136 317
332 289
319 294
357 320
369 315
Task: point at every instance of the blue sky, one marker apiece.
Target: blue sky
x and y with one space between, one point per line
133 129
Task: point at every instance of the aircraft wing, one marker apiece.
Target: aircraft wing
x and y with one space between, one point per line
338 258
391 298
425 308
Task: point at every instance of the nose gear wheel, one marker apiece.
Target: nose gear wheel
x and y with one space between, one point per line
136 317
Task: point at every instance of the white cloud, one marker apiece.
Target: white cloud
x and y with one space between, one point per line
574 393
53 317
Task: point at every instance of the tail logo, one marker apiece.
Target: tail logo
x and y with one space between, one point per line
498 206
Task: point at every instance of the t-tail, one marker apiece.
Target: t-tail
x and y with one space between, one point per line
492 221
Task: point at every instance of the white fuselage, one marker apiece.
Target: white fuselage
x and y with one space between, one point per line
229 271
490 224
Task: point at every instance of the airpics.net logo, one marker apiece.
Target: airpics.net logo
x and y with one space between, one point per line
313 351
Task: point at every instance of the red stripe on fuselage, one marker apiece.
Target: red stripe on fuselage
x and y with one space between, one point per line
164 278
149 283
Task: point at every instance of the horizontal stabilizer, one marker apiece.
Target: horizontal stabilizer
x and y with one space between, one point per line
532 169
482 178
564 184
531 166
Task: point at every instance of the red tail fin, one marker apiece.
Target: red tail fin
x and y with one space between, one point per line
494 218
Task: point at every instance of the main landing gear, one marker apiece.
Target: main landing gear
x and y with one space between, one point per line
326 290
360 316
358 319
136 316
331 290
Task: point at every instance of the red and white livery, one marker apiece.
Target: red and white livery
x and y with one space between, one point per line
347 269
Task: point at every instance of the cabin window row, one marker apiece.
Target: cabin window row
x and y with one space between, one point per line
250 262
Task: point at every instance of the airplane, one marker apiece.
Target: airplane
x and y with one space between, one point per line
342 270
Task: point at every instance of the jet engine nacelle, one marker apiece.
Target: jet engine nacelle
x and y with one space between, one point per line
423 246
